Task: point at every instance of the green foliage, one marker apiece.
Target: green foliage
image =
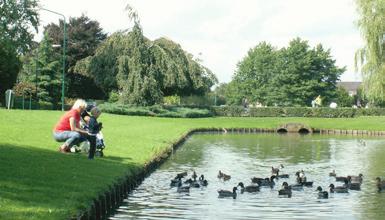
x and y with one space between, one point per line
171 100
16 19
238 111
144 71
155 110
197 100
344 99
113 97
371 58
24 89
43 69
84 36
290 76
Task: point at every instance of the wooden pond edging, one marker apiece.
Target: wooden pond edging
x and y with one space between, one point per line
106 203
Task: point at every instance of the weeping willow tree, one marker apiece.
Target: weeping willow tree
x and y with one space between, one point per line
371 59
143 71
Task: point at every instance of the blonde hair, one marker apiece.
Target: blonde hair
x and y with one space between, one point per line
79 103
95 110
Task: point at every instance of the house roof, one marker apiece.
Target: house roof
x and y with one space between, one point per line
349 86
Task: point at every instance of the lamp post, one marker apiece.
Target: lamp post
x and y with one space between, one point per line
64 54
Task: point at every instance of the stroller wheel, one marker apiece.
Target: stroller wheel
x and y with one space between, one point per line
99 153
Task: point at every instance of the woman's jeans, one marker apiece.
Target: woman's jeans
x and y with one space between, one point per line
69 137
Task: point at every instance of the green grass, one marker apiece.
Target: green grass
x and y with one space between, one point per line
37 182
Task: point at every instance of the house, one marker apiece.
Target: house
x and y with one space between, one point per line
350 87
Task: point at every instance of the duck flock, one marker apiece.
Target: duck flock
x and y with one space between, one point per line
350 182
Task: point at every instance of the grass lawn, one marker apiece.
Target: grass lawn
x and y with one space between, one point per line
37 182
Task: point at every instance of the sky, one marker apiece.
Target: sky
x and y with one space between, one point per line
220 32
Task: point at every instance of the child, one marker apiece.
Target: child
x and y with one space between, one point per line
93 129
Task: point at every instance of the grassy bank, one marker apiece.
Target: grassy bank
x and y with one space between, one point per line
37 182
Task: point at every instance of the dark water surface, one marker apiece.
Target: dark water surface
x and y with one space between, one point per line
247 155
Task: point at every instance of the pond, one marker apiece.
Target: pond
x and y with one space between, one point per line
244 156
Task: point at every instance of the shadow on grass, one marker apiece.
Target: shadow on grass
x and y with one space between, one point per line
37 183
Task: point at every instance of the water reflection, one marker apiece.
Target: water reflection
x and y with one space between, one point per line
248 155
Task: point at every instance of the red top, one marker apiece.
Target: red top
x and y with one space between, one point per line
64 122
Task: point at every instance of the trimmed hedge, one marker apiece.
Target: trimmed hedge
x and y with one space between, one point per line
238 111
156 110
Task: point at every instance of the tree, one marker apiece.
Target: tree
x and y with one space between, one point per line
290 76
138 75
255 73
371 58
84 36
42 68
343 98
16 18
144 71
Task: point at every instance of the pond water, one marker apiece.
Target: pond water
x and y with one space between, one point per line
244 156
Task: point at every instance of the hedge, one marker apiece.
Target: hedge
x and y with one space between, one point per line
156 110
238 111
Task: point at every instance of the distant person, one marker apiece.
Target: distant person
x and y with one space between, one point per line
317 102
93 129
245 103
68 129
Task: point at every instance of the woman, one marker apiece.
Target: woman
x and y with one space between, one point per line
68 128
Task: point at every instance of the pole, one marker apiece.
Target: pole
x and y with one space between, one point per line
64 64
64 54
36 67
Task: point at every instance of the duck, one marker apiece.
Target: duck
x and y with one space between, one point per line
341 178
301 179
182 189
355 179
322 194
195 184
380 184
267 182
354 186
203 181
227 193
333 173
188 181
282 176
226 177
285 191
175 182
223 176
220 174
296 187
250 188
256 179
275 171
194 175
338 189
180 175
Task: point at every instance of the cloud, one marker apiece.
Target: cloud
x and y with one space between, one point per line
224 30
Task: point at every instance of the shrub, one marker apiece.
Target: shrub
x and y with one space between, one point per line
113 97
155 110
325 112
171 100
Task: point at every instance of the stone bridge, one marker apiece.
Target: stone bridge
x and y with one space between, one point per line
294 128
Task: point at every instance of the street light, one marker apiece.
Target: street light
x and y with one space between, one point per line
64 54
